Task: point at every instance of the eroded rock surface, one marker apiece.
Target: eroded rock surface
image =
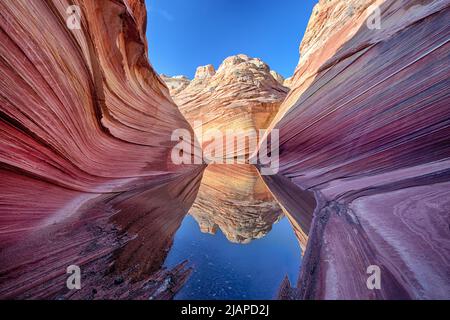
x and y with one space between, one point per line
365 126
85 127
277 77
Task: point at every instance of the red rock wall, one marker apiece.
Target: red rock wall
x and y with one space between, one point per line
73 103
85 169
366 126
85 128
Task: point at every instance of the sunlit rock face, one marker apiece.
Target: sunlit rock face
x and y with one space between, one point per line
287 82
365 126
84 119
277 76
240 95
119 241
175 84
235 199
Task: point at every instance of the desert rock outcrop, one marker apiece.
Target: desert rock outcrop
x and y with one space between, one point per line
241 95
277 77
365 127
175 84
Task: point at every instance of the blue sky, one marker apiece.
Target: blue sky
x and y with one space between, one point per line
184 34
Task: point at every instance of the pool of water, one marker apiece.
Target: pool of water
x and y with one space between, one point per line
227 270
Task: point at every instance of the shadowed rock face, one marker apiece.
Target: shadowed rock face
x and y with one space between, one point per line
119 241
235 199
366 127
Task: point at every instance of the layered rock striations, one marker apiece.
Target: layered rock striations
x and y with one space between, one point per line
85 124
366 128
119 241
241 95
235 199
73 103
287 82
87 178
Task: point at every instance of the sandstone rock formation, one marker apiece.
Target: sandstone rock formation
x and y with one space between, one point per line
175 84
365 127
87 179
241 95
287 82
277 77
235 199
85 124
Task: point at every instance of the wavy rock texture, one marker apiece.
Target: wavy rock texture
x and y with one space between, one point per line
73 103
85 152
366 126
241 95
235 199
119 241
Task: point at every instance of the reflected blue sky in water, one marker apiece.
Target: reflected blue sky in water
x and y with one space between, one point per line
225 270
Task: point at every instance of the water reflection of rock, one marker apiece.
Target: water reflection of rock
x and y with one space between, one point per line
235 199
119 241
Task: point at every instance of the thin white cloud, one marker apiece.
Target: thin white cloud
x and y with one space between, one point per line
162 13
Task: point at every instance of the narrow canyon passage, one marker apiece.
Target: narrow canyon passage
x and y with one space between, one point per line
88 177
